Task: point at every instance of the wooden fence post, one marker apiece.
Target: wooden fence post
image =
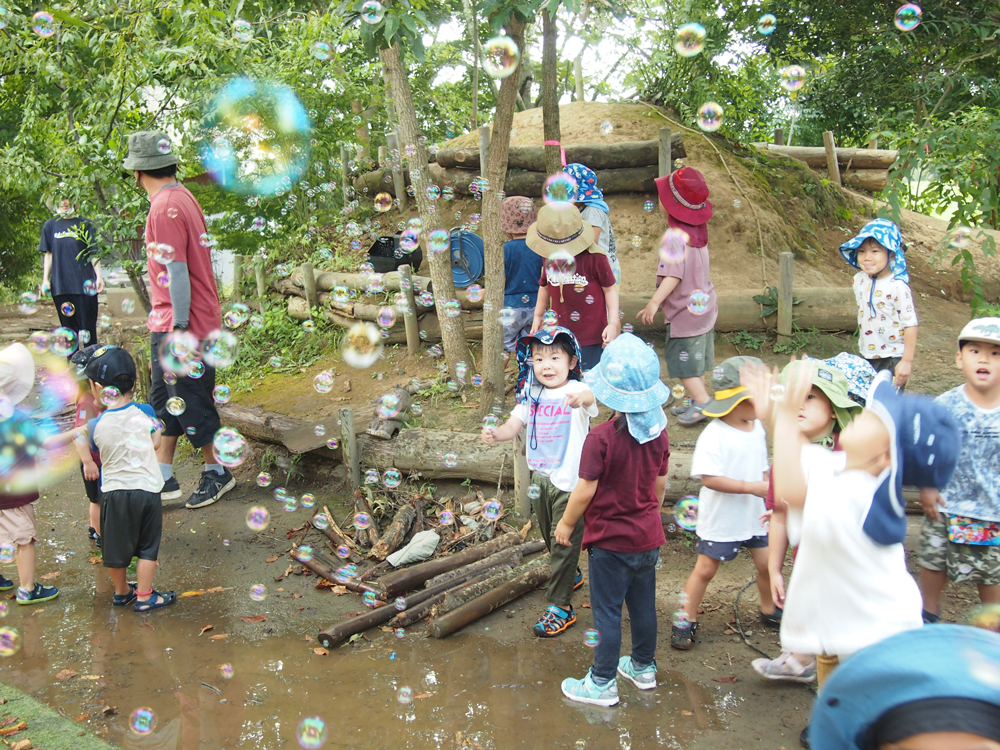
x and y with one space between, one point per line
484 148
666 162
398 182
238 278
410 323
522 477
345 173
258 272
786 277
349 446
779 136
383 156
873 143
309 284
831 157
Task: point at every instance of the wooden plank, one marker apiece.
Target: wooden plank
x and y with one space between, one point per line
309 285
666 161
832 167
597 156
814 156
349 446
409 316
786 265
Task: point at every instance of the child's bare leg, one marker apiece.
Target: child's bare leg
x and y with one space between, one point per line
932 583
95 517
759 556
696 388
989 594
145 570
26 565
119 577
704 571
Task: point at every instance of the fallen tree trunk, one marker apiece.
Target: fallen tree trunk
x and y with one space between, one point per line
412 614
336 634
871 180
324 568
483 605
416 450
455 599
409 578
394 534
856 158
328 280
597 156
511 555
627 180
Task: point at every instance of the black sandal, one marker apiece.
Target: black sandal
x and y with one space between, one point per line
123 600
155 601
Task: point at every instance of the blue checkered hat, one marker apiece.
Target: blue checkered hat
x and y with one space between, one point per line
887 234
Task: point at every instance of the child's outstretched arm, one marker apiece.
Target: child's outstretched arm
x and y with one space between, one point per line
581 399
541 305
579 501
663 291
905 366
62 439
507 431
777 545
735 486
789 478
614 326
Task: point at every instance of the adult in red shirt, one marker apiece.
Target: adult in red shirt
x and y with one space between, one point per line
623 477
186 311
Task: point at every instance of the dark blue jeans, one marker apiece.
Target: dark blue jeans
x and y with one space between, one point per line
618 578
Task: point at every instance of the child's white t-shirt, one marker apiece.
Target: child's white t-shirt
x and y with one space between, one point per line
554 432
881 328
124 437
846 592
725 451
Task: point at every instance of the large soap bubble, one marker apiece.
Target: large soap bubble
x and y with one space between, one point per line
255 137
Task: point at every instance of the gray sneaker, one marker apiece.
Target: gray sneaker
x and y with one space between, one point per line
212 487
692 415
644 679
171 489
785 667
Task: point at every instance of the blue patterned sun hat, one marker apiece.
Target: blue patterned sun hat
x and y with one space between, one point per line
525 371
627 379
858 371
887 234
587 191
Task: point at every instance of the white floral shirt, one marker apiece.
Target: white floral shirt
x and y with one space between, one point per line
883 314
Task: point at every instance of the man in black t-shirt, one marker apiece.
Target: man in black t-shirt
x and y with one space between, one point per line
72 272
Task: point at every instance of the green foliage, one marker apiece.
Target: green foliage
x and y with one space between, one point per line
20 225
769 301
800 339
746 340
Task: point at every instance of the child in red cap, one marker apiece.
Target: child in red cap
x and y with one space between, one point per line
684 291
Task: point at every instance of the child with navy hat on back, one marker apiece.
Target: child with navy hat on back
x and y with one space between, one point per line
850 587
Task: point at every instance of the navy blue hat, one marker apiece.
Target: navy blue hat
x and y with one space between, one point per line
112 365
526 373
81 358
924 444
938 678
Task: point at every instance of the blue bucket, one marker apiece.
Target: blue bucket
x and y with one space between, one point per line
468 257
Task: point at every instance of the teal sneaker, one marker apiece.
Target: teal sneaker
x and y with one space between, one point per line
6 584
37 595
644 679
586 691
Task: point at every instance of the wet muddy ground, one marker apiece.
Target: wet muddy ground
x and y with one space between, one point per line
491 685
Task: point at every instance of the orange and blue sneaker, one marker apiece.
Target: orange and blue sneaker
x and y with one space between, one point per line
37 595
578 581
554 620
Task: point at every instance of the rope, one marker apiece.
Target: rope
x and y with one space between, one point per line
739 625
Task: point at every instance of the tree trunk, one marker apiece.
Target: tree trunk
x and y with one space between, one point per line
493 236
394 534
550 96
456 348
472 24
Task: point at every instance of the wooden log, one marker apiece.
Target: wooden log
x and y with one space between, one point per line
309 285
335 535
255 423
395 533
786 270
416 450
336 634
626 180
412 614
483 605
410 323
597 156
666 163
368 536
815 156
455 599
484 147
497 558
325 568
832 167
349 448
415 614
870 180
408 578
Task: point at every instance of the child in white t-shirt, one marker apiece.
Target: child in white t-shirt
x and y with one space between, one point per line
730 457
556 407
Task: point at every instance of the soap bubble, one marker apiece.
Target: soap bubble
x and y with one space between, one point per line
7 552
90 288
383 202
710 117
560 267
319 430
39 341
559 188
230 446
766 24
207 240
308 326
689 40
312 733
607 127
450 460
371 477
502 56
686 512
673 246
370 599
362 345
648 206
280 493
492 510
985 616
392 478
321 522
42 24
778 392
490 422
256 322
237 315
110 396
677 391
305 553
438 241
226 670
321 50
792 77
10 641
219 349
343 551
28 303
386 317
908 17
409 241
405 695
271 129
591 638
242 31
446 517
332 444
475 293
960 237
323 382
389 406
534 492
258 592
176 406
507 316
128 305
67 309
372 11
264 479
699 302
221 394
142 721
258 518
362 520
452 308
636 241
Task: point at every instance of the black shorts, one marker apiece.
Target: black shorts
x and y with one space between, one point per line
200 419
726 551
131 525
92 487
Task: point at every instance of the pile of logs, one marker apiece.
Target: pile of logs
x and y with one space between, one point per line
860 168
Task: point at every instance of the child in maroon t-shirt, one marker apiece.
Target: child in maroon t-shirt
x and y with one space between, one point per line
87 407
623 476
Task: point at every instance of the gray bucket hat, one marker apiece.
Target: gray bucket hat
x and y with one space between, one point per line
149 150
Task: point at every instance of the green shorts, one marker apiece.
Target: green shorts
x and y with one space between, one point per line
975 563
690 357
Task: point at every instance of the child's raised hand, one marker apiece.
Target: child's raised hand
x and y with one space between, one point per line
580 398
765 518
797 389
488 435
930 499
647 313
757 379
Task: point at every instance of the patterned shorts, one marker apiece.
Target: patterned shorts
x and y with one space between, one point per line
975 563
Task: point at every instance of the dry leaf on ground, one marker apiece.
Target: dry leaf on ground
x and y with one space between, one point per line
95 559
422 696
272 559
199 592
218 637
687 713
82 717
730 678
109 711
253 618
50 576
310 639
206 629
22 745
14 729
215 590
66 674
320 651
